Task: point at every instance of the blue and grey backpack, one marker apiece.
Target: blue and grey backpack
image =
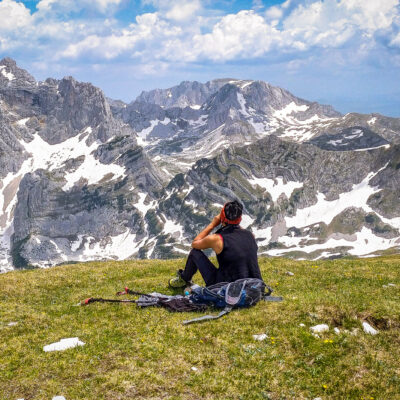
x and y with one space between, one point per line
228 295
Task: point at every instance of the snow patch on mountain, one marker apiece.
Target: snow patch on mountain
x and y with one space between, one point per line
365 242
355 133
23 121
9 75
325 211
260 127
246 221
153 123
117 247
288 110
276 187
242 103
141 206
172 228
52 156
201 121
93 171
262 235
385 146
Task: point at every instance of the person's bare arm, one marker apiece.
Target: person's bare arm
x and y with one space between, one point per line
206 241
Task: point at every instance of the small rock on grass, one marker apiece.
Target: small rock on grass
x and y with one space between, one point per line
302 325
63 344
261 337
193 369
389 285
336 330
320 328
289 273
369 329
13 323
58 398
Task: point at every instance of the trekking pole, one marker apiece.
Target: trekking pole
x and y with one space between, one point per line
129 291
100 300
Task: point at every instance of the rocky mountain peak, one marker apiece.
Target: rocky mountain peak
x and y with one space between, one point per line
12 75
9 62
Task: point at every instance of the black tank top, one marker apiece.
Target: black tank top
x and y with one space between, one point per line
238 259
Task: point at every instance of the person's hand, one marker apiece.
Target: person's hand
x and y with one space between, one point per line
216 220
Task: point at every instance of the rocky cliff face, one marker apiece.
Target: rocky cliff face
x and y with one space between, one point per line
70 172
84 177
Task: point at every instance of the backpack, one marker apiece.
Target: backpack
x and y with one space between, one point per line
244 292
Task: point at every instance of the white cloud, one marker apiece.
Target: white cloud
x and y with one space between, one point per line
178 10
181 30
395 41
257 5
45 6
103 5
137 39
13 15
161 36
232 38
371 14
274 13
331 23
184 10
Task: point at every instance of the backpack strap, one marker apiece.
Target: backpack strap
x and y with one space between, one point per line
272 298
267 295
225 311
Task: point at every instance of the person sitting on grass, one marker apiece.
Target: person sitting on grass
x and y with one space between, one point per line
235 247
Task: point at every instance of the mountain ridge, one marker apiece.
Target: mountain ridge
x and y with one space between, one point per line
85 177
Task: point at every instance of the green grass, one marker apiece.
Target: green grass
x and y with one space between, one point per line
148 354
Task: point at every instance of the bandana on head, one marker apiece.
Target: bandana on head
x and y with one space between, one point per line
228 221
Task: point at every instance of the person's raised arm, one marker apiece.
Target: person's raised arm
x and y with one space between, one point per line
206 241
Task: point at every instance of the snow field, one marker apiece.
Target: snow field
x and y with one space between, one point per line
113 247
9 75
275 189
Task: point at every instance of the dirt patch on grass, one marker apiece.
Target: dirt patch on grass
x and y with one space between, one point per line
383 323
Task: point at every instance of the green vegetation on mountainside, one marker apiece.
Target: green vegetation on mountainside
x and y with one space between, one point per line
149 354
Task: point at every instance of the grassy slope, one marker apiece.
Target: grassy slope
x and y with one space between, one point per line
148 354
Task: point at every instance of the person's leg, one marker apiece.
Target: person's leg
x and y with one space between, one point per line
197 260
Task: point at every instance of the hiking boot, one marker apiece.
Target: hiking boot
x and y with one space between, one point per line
178 281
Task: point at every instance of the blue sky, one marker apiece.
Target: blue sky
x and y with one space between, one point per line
340 52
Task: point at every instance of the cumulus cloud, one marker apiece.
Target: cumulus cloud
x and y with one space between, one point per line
103 6
177 30
178 10
13 15
232 38
137 39
183 11
274 13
